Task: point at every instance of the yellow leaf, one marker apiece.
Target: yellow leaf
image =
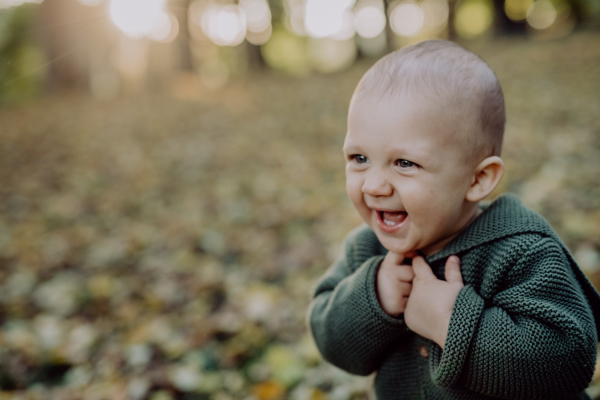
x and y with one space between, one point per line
268 391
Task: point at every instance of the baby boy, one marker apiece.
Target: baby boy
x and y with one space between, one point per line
444 298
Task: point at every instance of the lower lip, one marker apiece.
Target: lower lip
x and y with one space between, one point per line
387 228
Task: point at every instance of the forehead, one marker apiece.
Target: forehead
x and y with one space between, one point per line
407 120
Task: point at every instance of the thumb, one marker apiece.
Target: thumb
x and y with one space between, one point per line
453 274
421 269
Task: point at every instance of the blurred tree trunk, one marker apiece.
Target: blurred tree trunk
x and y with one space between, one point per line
61 32
451 13
389 35
186 60
255 58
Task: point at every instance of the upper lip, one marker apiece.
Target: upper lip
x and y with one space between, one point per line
383 209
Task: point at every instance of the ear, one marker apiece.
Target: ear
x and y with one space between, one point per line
487 175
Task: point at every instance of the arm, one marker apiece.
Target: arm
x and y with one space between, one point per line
534 340
348 325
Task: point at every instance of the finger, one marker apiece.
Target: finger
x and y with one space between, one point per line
394 258
452 272
404 273
403 301
421 269
404 288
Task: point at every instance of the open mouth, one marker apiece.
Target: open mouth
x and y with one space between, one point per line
391 220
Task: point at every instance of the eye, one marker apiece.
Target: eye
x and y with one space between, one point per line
405 163
359 158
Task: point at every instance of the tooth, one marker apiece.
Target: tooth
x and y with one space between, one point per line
389 223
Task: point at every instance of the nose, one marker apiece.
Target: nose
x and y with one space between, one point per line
376 184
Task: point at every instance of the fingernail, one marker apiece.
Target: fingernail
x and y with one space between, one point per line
454 259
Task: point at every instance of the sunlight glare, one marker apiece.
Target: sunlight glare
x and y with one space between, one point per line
224 25
258 15
406 19
295 19
91 3
165 29
136 17
325 18
370 19
347 30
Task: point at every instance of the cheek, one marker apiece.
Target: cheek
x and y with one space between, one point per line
354 191
417 195
425 202
353 186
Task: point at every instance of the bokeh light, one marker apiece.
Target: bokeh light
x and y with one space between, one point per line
516 10
258 15
325 18
541 14
91 3
435 14
369 19
330 55
294 17
258 38
474 17
224 25
286 52
347 30
406 18
165 28
136 17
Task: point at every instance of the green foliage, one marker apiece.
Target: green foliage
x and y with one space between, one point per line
21 62
286 52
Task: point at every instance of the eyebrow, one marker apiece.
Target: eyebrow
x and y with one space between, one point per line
350 146
404 151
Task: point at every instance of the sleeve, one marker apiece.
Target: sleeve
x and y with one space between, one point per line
534 340
349 327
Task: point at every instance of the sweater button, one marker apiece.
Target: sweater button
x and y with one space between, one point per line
423 351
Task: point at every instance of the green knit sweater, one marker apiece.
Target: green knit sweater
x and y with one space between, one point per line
523 327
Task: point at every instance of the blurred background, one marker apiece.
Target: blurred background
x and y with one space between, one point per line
172 181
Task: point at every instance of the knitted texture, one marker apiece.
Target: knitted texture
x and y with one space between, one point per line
523 326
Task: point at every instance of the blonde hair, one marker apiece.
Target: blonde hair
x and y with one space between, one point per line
442 70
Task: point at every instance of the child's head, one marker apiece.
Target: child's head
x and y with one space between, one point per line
424 137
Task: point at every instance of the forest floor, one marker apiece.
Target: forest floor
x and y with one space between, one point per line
163 246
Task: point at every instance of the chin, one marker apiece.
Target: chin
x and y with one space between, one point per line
393 245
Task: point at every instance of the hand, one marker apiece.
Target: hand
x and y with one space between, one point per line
431 300
394 284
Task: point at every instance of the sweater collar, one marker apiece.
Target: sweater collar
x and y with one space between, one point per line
506 216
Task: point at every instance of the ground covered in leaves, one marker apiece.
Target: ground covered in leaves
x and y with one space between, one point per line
156 247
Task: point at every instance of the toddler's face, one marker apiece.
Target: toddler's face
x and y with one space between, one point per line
406 171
